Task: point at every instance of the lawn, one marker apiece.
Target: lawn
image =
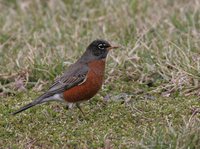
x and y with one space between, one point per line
151 94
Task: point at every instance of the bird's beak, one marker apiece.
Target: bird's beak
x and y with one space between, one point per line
114 47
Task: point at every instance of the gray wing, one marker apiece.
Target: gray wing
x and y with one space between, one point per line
71 78
75 75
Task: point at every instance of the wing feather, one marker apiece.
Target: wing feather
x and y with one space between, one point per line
68 80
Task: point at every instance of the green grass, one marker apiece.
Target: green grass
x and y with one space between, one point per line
150 98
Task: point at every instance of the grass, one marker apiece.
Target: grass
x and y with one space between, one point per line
150 98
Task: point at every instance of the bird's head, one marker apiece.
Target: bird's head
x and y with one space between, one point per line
97 50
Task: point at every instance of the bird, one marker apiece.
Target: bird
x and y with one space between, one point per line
81 81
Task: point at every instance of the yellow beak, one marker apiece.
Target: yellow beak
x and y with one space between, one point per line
114 47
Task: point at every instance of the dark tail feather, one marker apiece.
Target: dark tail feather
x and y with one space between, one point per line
24 108
35 102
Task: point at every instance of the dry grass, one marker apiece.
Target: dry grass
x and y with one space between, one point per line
155 74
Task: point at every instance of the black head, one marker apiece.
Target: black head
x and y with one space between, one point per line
97 50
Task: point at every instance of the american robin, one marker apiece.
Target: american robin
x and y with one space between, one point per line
81 81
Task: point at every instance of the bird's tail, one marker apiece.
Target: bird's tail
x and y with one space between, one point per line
34 103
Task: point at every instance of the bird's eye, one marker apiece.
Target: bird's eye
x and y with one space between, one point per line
101 46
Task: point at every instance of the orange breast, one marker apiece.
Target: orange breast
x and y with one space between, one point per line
91 86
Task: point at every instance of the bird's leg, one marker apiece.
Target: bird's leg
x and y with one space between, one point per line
66 107
78 106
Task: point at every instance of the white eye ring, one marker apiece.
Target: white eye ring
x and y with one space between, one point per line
100 46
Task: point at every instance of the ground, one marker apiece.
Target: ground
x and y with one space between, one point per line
150 98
